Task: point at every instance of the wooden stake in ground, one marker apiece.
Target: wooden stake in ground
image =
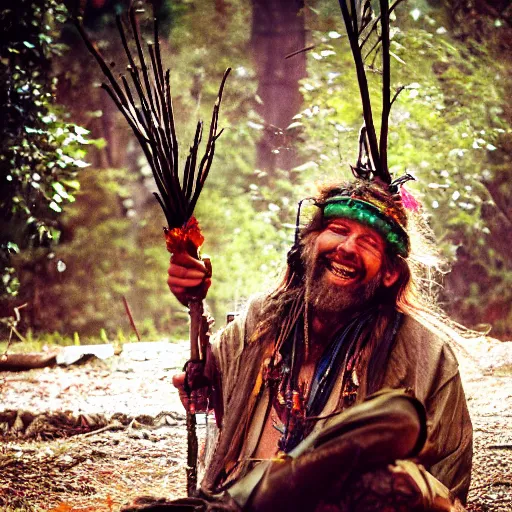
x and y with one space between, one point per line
130 317
143 96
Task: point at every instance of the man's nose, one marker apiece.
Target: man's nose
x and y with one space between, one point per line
347 247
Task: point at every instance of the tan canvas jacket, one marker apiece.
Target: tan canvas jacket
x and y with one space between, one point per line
421 360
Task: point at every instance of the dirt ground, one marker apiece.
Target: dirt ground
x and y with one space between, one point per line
129 430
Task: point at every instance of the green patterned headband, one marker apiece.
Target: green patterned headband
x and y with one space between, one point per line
371 216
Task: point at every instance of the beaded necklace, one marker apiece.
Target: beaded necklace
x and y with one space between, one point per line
299 407
293 402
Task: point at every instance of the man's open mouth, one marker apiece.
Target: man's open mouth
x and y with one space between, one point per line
343 271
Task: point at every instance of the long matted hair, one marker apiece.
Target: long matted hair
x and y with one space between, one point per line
414 293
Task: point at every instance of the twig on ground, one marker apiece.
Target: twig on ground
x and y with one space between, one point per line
117 425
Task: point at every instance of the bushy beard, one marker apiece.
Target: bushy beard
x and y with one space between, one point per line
328 299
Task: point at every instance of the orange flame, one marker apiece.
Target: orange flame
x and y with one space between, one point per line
179 239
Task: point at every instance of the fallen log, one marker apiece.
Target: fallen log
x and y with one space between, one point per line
23 362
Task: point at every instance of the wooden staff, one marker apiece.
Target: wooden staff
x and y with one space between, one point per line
143 96
195 310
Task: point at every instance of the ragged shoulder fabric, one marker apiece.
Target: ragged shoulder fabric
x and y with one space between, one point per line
420 360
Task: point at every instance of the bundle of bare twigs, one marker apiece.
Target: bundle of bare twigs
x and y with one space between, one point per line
146 104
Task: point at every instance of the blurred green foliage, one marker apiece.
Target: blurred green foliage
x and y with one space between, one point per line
449 127
39 151
112 243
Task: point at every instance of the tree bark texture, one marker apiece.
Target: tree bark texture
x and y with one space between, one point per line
278 29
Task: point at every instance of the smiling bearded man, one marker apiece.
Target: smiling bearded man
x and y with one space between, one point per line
346 321
321 386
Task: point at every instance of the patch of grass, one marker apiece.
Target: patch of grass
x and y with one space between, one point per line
43 341
22 347
37 343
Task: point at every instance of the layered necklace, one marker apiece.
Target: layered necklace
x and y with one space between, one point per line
299 406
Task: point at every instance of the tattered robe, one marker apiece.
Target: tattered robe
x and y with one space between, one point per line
421 360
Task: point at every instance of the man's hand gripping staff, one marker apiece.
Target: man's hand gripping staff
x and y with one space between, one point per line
189 280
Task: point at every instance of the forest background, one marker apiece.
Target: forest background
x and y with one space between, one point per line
80 228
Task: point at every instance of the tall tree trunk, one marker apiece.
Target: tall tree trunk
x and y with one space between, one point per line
278 29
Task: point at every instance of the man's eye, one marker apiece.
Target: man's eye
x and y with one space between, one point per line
340 230
371 242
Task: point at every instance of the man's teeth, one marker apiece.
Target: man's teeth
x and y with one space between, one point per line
342 270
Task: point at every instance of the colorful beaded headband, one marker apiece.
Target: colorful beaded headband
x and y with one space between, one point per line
371 216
